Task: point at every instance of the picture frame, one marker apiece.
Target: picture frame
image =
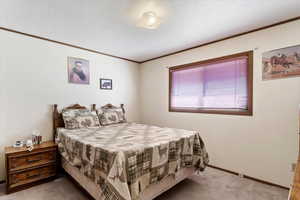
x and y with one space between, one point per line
105 84
281 63
78 71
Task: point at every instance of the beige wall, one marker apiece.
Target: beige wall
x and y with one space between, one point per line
33 76
263 146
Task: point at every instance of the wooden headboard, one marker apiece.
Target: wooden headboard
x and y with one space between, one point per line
58 121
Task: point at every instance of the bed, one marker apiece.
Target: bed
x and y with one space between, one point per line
128 161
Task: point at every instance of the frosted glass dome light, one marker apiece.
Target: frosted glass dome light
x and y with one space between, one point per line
149 20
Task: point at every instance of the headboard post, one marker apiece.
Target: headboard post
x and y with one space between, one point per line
55 120
122 106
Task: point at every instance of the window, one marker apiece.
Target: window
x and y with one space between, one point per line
220 86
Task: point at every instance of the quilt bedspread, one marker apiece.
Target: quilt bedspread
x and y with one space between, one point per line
124 159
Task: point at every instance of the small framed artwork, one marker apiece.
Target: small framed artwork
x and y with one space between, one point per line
105 84
78 71
281 63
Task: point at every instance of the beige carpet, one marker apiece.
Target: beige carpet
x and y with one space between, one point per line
211 185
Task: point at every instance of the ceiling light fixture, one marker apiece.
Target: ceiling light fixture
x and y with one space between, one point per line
149 20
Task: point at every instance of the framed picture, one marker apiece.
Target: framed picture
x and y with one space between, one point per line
106 84
281 63
78 71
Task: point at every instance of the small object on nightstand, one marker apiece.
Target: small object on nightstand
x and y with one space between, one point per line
27 168
36 137
39 139
18 143
29 145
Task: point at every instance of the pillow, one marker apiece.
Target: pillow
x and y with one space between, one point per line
80 118
109 116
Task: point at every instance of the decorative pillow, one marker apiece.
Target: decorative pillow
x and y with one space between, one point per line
111 116
80 118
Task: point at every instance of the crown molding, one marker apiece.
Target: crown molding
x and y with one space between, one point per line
67 44
165 55
225 38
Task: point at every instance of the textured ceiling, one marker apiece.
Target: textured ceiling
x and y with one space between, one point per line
109 26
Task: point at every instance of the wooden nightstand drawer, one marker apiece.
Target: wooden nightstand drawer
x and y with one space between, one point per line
21 178
26 161
27 168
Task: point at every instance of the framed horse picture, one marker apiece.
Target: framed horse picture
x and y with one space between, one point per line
281 63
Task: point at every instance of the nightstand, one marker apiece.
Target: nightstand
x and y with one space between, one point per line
27 168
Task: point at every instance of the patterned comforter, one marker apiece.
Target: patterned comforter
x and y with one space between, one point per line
124 159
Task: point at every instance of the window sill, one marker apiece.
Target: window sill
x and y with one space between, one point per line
213 111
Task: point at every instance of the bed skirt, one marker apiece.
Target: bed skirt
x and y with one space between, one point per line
148 194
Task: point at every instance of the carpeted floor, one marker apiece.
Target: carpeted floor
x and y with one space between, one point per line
211 185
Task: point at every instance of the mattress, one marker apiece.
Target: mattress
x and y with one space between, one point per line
125 159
